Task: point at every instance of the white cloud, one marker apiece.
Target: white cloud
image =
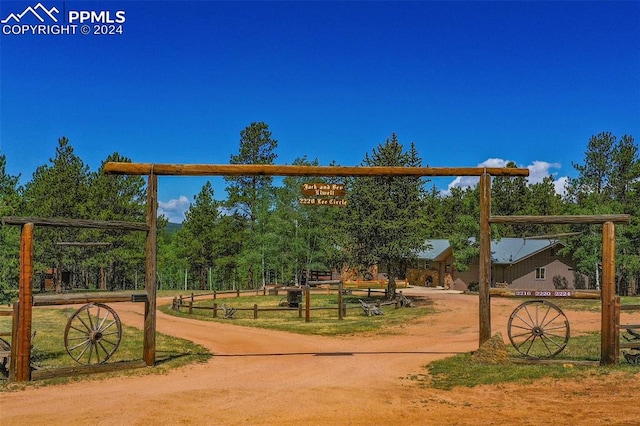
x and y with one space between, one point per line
560 185
462 182
174 209
494 162
471 181
538 170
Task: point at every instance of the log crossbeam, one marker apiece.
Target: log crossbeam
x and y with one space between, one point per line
76 223
623 219
291 170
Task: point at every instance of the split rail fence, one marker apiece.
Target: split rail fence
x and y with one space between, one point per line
189 302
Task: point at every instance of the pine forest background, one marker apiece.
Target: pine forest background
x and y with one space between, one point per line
258 232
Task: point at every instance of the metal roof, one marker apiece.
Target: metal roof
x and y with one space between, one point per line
436 250
503 251
514 250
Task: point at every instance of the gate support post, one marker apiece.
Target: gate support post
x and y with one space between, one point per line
608 333
485 258
151 255
23 343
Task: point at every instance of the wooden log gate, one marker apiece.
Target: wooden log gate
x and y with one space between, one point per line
608 343
154 170
485 174
609 333
20 366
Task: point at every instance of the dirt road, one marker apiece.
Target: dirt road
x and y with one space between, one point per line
262 377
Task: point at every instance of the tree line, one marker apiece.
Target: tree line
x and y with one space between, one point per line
259 232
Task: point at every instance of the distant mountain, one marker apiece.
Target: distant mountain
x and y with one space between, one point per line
173 227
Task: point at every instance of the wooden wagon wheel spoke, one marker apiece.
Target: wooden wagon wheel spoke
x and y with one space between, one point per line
529 339
548 340
521 327
531 342
545 323
104 328
85 342
538 329
93 334
527 323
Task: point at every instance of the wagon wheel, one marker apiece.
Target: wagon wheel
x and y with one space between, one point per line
92 334
5 360
538 329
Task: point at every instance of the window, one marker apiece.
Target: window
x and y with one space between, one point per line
541 273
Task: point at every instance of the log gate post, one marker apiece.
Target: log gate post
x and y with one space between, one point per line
151 249
608 335
485 258
23 343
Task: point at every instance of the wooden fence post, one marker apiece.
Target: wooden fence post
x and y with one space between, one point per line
340 313
608 294
14 338
255 311
307 304
215 310
617 330
190 307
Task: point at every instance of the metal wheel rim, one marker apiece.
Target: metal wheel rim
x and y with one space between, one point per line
538 329
92 334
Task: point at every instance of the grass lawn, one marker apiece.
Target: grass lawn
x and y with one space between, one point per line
49 351
460 370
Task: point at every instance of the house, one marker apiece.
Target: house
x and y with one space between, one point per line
519 263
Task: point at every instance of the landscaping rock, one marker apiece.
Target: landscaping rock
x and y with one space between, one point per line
493 351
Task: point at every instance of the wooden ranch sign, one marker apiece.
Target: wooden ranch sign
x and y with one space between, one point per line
324 189
330 191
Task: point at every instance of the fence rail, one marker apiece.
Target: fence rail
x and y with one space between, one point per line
255 309
631 343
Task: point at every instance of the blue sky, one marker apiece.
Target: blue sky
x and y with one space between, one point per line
471 83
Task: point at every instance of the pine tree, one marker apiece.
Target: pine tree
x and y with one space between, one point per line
10 205
252 197
58 190
197 238
386 221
